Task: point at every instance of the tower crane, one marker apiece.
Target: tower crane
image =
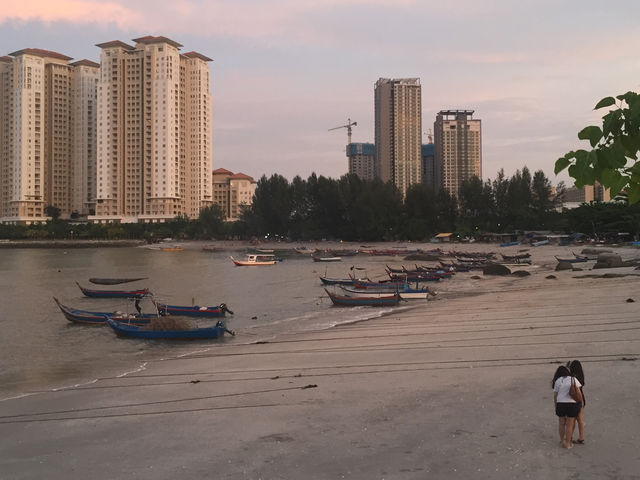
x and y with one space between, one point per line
348 127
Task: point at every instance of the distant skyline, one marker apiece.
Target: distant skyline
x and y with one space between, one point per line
286 71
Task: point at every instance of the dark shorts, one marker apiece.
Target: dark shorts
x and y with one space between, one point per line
567 409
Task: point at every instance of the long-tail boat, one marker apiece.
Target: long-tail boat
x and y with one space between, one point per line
113 293
144 332
379 301
99 318
114 281
193 311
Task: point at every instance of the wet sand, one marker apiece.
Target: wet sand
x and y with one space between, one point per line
459 387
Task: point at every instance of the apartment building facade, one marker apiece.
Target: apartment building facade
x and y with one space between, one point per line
154 128
47 135
458 148
398 131
232 192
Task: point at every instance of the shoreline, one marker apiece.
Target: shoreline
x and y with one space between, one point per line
430 391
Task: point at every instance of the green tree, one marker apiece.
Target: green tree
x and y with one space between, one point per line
613 157
51 211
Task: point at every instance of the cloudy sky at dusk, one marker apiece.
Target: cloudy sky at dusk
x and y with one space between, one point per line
285 71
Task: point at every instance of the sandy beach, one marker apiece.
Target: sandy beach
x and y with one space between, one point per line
458 387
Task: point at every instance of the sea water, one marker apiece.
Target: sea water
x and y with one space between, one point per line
41 350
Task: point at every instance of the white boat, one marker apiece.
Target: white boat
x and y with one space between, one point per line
326 259
407 294
255 260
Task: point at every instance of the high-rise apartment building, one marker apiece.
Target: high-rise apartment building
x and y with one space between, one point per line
458 148
362 160
154 132
429 165
232 192
398 131
47 135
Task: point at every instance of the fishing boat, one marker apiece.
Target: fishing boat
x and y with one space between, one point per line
114 281
255 260
194 311
381 301
148 333
326 259
510 244
100 318
574 259
175 248
336 281
405 292
113 293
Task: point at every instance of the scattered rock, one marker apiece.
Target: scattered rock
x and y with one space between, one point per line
475 277
195 381
608 260
564 266
495 269
551 277
520 273
311 385
254 318
630 300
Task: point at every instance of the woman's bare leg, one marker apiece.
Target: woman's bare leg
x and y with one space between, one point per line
571 423
562 426
581 424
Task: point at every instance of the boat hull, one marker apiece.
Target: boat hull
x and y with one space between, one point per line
86 317
133 331
88 292
195 311
384 301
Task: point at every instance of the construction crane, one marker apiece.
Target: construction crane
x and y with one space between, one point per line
348 127
429 136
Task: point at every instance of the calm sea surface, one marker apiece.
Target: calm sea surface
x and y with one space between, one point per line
40 349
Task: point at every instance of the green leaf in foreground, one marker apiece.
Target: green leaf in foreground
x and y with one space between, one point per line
605 102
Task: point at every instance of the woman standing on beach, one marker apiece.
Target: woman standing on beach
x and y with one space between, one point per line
575 367
567 408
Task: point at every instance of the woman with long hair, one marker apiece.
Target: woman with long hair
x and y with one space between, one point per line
575 367
567 408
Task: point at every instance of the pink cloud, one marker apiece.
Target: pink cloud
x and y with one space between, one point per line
75 11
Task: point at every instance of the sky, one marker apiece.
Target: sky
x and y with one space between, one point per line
286 71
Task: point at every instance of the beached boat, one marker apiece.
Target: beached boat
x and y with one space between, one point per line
336 281
383 301
113 293
405 292
326 259
100 318
114 281
148 333
510 244
255 260
194 311
574 259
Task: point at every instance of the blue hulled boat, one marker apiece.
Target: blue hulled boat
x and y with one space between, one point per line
146 333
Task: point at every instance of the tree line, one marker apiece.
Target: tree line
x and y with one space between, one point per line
352 209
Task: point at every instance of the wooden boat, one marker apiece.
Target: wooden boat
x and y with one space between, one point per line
194 311
336 281
326 259
113 293
172 249
255 260
114 281
384 301
135 331
99 318
510 244
575 259
517 257
406 292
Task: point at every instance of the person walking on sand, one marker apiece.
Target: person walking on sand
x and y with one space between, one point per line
575 367
567 408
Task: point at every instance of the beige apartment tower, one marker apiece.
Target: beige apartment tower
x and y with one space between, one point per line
232 192
398 131
154 132
458 149
47 135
